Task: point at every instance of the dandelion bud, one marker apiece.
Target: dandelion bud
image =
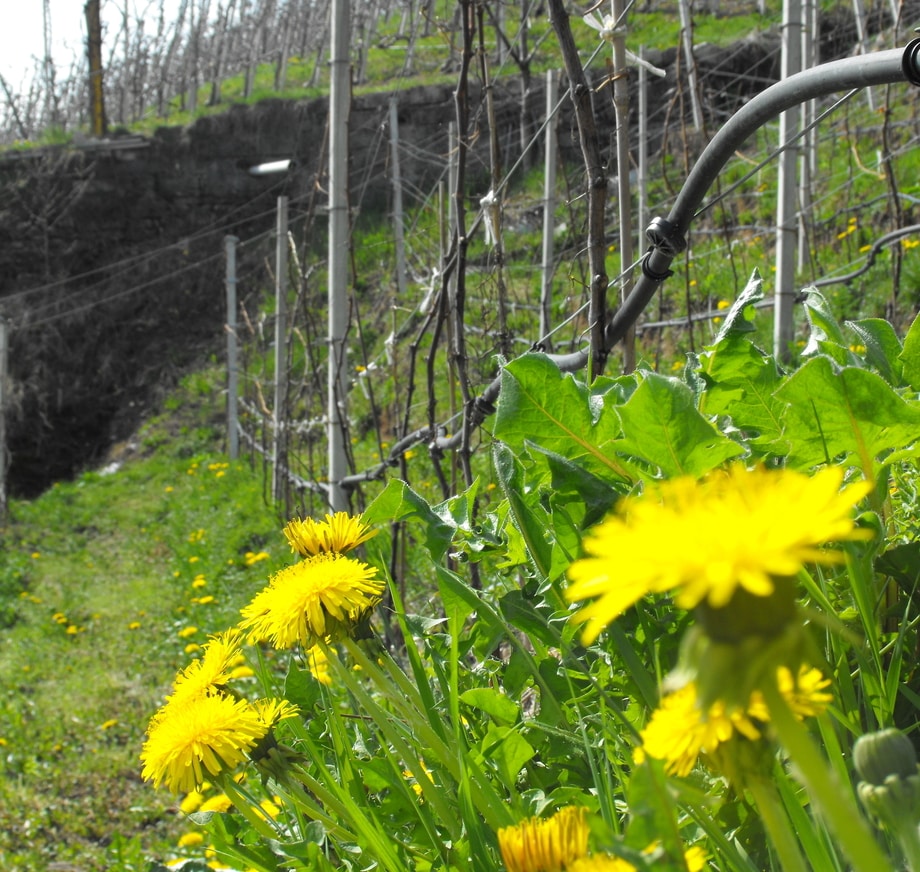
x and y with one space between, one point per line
877 756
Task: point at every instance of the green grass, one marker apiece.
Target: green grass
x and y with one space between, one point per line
97 579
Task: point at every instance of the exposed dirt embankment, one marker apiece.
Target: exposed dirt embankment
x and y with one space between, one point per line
111 253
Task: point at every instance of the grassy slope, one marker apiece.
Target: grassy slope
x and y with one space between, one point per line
96 581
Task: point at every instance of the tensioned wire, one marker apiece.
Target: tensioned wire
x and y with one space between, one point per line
140 258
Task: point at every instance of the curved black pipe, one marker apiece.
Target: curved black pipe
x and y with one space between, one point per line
667 235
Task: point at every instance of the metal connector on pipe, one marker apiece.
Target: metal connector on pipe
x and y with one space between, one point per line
668 235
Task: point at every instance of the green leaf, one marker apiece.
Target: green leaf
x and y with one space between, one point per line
521 612
457 597
825 335
398 502
523 501
508 750
910 356
742 381
652 811
541 404
902 563
663 427
740 316
301 688
568 477
883 348
495 704
839 413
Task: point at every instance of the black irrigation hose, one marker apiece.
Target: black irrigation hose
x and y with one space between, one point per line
877 246
667 235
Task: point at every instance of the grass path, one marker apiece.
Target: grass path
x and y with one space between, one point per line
101 583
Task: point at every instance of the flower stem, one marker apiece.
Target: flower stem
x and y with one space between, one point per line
247 806
834 800
909 838
777 824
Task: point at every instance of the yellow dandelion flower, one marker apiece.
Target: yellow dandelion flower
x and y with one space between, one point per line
337 533
806 696
212 670
410 776
600 863
190 840
319 598
319 665
695 858
545 844
270 807
188 740
185 632
735 530
191 803
679 730
107 725
252 557
270 711
219 803
134 625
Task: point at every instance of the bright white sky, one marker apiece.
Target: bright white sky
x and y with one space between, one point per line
22 40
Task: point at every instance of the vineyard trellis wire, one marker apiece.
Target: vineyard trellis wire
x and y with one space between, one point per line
440 434
737 221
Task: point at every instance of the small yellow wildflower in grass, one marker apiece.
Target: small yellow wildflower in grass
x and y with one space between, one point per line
134 625
189 739
192 648
737 530
323 597
212 670
59 618
190 840
203 600
338 533
199 581
107 725
679 731
185 632
242 672
545 844
253 557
